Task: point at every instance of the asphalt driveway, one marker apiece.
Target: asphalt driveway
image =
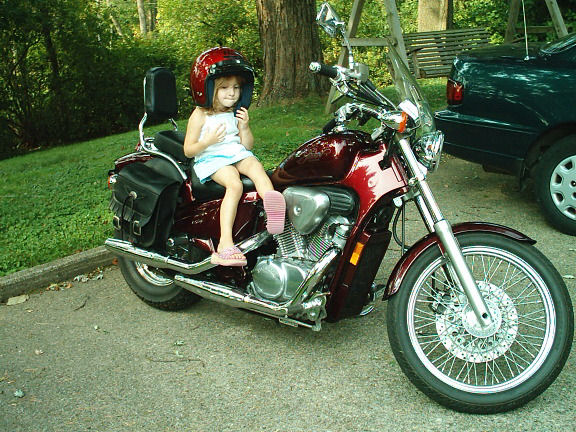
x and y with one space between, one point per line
92 357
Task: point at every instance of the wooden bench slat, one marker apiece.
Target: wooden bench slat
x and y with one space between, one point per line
446 42
430 54
448 32
418 36
444 37
444 48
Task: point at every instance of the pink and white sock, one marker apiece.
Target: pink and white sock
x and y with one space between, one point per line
275 207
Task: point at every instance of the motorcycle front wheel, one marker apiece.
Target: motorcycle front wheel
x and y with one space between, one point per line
444 352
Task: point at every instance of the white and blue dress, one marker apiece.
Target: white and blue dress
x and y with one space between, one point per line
226 152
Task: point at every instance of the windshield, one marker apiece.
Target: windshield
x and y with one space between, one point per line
408 89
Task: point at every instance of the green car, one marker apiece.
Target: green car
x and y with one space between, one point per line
514 111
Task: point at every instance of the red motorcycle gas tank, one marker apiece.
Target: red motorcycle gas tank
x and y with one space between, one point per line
326 158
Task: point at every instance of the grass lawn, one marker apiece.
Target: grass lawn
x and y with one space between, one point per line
54 202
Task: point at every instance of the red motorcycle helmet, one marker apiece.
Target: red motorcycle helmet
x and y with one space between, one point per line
215 63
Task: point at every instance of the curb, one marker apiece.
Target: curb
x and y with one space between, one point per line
59 270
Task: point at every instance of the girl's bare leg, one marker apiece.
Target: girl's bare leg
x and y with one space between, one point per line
228 177
253 169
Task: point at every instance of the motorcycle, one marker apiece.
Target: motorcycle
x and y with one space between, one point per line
477 317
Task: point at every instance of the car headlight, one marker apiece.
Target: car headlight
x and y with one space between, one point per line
428 149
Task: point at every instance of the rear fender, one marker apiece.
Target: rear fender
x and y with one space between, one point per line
401 268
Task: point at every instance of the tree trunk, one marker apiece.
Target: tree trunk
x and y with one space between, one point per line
434 15
142 17
59 100
115 22
152 14
290 41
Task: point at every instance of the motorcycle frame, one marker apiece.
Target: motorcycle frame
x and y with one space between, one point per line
386 182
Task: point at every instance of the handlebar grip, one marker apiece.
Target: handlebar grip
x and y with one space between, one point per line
322 69
329 126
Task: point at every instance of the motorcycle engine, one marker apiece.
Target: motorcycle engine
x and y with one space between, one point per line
278 278
317 220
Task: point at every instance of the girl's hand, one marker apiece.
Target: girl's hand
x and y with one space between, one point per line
243 118
215 135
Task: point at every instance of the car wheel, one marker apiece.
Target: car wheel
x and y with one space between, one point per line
555 185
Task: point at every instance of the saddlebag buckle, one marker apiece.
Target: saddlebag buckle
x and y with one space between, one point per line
136 228
116 223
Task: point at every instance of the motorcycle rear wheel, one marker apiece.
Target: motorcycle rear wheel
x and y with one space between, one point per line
441 349
154 287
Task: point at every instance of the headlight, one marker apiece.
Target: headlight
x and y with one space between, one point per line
428 149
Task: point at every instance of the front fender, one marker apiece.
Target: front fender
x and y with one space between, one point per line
402 266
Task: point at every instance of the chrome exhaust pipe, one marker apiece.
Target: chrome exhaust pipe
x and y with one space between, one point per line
126 249
230 297
302 301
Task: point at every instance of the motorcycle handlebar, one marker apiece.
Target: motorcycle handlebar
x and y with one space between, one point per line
322 69
329 126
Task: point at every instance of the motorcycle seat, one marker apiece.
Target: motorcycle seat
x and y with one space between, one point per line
172 143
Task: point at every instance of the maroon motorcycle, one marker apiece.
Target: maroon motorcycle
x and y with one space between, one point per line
478 318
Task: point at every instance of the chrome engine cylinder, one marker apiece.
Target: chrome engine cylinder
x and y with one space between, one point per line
290 243
315 225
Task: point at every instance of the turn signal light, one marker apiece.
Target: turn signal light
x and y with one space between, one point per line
454 92
403 123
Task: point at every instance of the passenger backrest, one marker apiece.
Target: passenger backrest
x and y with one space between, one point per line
160 100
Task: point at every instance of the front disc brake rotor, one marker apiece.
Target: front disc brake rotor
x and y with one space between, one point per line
461 334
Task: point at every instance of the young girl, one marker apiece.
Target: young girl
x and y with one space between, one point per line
219 138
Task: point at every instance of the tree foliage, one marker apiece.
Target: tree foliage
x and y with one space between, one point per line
65 76
73 69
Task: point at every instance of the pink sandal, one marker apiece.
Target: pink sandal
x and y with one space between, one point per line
275 207
226 257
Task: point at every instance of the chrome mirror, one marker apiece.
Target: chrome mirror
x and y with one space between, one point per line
329 20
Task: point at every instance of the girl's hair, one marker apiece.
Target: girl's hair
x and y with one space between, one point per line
217 84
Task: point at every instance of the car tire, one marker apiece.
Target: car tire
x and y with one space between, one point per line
555 185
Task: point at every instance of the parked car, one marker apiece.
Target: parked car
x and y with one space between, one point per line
514 111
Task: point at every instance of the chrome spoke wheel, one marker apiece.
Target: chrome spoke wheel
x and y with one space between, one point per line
453 347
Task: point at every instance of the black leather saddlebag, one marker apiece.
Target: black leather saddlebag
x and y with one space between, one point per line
143 203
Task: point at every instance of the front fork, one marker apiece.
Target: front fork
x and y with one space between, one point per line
436 223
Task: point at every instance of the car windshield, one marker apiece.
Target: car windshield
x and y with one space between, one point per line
560 45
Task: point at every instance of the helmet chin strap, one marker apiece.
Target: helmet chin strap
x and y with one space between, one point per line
245 97
239 105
